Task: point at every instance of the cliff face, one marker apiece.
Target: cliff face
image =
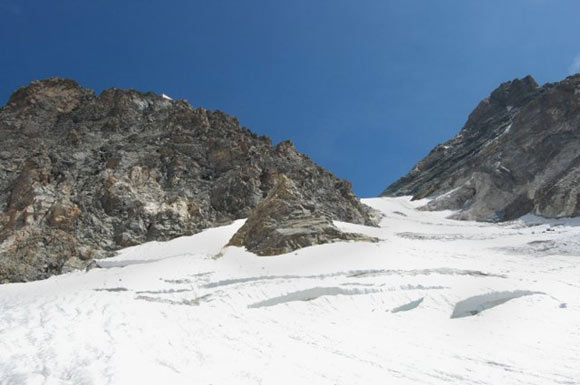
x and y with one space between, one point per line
83 175
518 153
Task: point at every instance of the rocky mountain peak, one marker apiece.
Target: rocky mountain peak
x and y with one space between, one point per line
517 154
515 92
43 100
83 175
502 104
49 92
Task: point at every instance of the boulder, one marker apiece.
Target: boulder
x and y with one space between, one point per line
286 221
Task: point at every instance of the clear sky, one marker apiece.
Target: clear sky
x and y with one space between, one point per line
366 88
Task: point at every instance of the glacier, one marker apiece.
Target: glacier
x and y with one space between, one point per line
435 301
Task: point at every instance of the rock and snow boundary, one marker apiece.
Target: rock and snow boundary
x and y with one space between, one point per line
435 301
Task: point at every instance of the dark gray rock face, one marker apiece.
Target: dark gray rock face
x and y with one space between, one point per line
518 153
83 175
286 221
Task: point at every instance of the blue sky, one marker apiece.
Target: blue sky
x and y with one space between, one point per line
366 88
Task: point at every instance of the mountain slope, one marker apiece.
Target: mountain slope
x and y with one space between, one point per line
83 175
436 301
517 153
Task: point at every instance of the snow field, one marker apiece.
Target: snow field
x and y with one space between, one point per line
436 301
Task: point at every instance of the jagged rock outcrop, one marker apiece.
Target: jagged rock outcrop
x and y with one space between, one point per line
517 154
83 175
286 221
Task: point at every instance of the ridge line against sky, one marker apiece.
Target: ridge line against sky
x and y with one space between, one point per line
366 89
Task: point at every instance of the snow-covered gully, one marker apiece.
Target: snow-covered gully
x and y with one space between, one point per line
436 301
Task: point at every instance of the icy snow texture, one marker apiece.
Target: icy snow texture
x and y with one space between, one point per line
188 311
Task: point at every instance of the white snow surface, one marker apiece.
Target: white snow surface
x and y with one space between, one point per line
437 301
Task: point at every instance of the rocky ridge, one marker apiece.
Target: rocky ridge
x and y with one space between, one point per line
517 154
286 221
83 175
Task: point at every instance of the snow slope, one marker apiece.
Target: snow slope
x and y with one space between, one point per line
436 301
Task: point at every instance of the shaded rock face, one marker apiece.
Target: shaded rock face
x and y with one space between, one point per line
286 221
83 175
517 154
